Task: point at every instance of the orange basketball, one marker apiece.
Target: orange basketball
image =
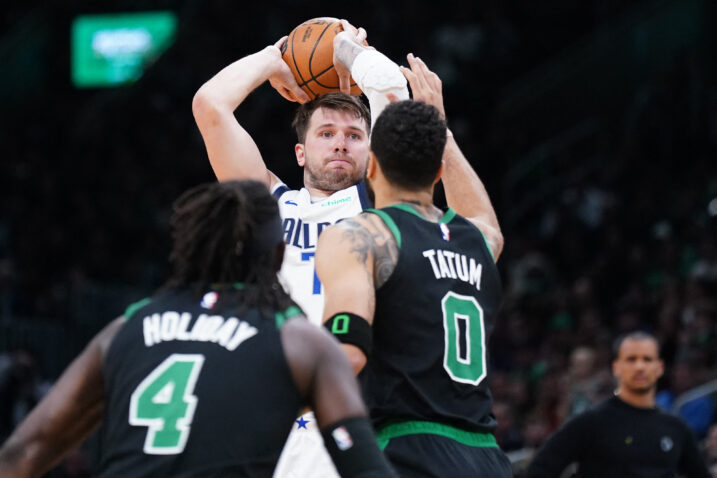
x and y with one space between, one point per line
309 52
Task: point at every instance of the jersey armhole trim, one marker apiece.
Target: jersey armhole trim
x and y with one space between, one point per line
390 223
363 195
451 214
280 189
485 241
134 307
487 246
282 317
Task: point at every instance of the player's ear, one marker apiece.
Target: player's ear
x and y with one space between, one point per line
661 370
439 173
372 166
300 157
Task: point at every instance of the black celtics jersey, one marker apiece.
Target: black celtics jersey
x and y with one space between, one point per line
194 388
431 325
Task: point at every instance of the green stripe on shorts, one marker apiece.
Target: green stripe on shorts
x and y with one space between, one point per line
394 430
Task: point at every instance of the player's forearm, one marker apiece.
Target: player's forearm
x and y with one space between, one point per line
26 459
346 50
352 445
374 73
227 89
15 461
30 451
231 150
466 194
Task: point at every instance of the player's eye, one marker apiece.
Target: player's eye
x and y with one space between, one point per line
326 134
354 136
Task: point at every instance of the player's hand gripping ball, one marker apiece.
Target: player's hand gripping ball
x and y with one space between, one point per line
309 52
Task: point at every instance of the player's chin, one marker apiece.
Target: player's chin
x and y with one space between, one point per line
641 388
342 178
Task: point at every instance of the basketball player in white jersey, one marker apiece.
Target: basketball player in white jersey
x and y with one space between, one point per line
333 147
333 150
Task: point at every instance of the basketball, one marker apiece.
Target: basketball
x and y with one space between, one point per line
309 52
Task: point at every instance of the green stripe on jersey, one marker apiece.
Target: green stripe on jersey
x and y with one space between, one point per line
282 317
390 223
134 307
384 435
448 216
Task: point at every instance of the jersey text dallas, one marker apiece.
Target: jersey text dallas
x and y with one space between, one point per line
228 333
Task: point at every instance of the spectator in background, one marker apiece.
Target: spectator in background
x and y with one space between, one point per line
626 435
586 384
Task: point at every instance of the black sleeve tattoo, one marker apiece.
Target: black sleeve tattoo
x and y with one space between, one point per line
374 245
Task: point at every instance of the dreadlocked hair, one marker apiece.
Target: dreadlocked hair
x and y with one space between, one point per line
213 228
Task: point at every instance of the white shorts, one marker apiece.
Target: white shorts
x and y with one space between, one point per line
304 455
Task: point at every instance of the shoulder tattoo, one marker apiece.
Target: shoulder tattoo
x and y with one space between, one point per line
372 241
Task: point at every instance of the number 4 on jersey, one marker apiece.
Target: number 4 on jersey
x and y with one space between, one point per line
163 401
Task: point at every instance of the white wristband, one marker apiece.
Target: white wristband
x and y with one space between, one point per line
373 70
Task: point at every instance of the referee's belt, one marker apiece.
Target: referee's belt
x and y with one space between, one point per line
416 427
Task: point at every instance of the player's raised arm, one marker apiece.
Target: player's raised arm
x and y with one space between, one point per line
232 151
465 192
375 74
323 375
64 418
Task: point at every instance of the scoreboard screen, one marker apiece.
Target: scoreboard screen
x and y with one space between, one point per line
115 49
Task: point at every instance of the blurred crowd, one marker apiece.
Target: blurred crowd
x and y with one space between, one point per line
627 241
628 245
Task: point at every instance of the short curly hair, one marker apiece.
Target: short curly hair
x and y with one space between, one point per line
408 140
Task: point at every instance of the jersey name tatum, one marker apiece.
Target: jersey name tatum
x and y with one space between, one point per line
229 333
452 265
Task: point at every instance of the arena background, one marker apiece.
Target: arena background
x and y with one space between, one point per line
593 124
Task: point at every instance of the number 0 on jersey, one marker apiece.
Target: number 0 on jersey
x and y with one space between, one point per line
464 329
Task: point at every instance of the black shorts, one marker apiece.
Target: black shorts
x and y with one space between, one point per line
425 455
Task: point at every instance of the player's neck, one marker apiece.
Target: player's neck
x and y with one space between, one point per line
637 400
318 194
422 199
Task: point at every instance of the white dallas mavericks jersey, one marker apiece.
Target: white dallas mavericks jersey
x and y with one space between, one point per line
303 221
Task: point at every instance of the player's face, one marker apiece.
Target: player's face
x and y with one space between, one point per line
638 366
335 152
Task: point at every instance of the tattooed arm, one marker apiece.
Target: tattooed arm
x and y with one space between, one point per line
354 258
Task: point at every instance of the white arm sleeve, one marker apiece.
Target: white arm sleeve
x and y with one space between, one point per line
377 76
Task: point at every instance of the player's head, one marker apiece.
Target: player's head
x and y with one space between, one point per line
636 364
408 140
227 233
333 133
